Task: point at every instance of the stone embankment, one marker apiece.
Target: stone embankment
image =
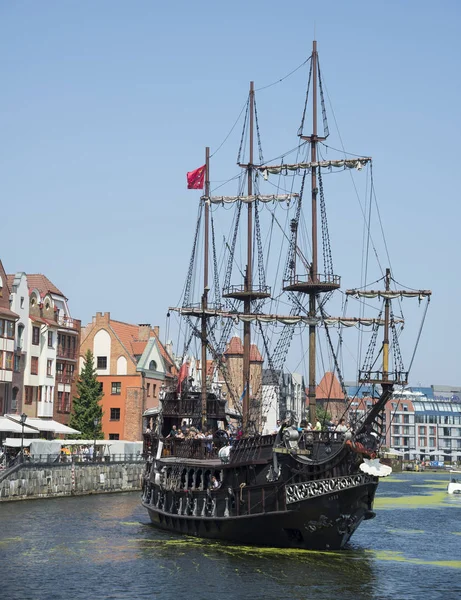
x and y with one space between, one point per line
32 481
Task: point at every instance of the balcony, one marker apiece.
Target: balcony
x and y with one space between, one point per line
66 352
69 323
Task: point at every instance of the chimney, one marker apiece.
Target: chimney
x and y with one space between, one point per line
143 332
157 331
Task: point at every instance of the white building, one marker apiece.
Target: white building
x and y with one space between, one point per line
8 320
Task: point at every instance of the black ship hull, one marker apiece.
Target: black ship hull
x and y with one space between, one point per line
322 520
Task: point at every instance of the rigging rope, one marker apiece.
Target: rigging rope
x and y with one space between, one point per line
419 335
327 257
326 131
285 77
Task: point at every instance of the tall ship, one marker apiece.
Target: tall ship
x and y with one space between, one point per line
224 460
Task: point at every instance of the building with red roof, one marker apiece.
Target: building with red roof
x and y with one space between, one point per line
46 348
330 396
132 364
233 360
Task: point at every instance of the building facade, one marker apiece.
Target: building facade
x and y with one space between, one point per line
131 365
46 348
284 396
8 319
233 357
421 424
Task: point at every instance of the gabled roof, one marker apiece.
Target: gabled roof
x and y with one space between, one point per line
255 354
42 284
128 336
166 357
329 388
235 346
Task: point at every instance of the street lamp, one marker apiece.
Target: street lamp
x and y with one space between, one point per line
96 423
23 418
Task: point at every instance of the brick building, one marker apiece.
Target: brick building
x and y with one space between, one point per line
330 396
233 357
132 364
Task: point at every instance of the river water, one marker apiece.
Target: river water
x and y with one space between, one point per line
104 547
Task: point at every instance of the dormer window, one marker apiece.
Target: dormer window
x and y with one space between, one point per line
152 365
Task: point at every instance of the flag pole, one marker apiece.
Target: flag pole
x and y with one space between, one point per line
205 292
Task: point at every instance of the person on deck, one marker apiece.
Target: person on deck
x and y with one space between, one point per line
342 428
173 433
276 428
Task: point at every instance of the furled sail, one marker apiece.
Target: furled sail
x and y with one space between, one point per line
197 311
355 163
249 199
355 322
389 294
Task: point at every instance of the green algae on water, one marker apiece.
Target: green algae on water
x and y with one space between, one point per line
422 501
406 531
394 556
11 540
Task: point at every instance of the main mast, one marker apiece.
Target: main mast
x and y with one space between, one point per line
314 268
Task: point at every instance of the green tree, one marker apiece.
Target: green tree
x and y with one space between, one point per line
86 406
322 415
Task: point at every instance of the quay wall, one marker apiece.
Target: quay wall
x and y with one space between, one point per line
32 481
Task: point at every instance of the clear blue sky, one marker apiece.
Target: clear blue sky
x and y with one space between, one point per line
105 105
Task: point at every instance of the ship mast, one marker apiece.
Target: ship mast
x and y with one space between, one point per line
312 328
315 285
205 293
248 284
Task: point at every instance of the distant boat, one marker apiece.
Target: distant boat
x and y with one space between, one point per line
454 487
300 486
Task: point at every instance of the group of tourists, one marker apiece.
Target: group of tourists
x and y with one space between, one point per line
186 432
334 425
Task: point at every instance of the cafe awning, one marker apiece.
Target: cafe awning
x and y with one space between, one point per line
13 426
16 442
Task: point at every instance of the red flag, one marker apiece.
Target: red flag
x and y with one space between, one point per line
183 374
195 179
